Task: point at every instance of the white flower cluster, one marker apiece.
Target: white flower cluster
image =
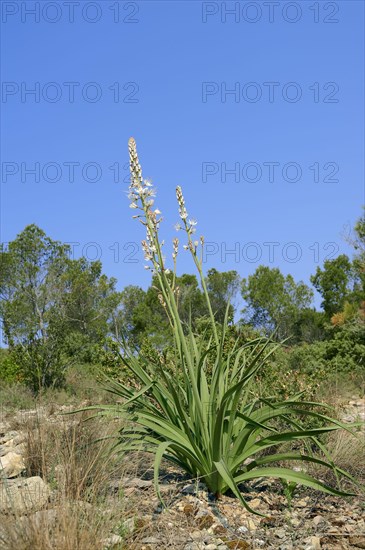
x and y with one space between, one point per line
175 244
181 202
189 225
141 195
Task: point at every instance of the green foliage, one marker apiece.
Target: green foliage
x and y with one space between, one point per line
107 357
308 327
358 243
288 373
53 309
132 316
141 314
289 489
345 351
333 282
274 302
30 285
204 417
222 289
9 369
88 303
342 352
208 425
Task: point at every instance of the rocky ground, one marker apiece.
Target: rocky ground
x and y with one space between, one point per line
192 520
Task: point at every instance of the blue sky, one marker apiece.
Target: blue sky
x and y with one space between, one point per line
162 72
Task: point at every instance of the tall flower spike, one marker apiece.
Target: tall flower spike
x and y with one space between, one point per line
136 170
176 248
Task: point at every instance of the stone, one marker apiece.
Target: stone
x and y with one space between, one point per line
189 509
8 437
317 520
268 521
196 535
255 503
12 464
113 540
195 546
302 503
137 483
151 540
236 544
4 449
358 542
43 519
349 418
23 495
219 529
339 521
129 525
313 544
192 488
250 524
204 520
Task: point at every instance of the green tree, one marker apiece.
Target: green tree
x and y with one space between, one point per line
274 302
132 316
222 289
88 306
31 284
334 283
359 261
309 326
54 310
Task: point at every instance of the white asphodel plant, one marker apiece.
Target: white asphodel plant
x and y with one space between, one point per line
204 419
142 195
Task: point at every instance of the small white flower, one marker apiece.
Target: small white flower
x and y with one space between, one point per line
147 267
133 205
192 222
177 226
185 247
157 211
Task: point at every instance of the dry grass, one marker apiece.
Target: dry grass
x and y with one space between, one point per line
348 452
64 527
72 454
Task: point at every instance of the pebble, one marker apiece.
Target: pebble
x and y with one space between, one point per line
317 520
280 533
112 541
313 544
151 540
193 488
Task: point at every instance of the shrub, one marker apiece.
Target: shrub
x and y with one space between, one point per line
206 420
9 368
